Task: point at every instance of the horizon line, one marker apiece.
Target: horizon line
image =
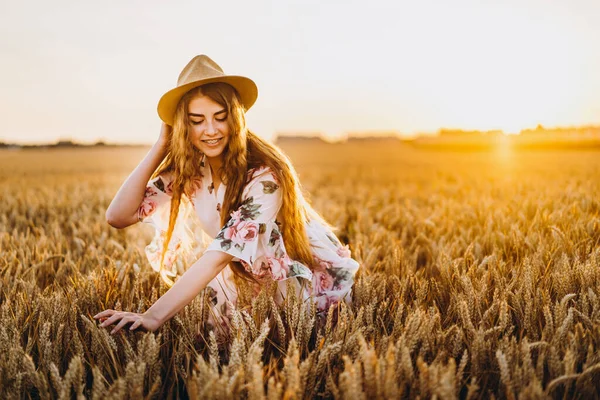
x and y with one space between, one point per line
374 133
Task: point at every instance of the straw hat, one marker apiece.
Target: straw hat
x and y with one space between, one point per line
200 70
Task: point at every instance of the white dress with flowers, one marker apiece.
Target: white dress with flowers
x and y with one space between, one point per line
252 235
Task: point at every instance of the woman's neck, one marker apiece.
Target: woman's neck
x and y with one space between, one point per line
215 164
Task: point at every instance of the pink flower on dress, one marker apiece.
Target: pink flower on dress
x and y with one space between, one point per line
343 251
146 208
322 281
322 265
242 231
236 215
279 267
260 267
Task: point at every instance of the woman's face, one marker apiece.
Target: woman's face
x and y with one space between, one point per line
209 130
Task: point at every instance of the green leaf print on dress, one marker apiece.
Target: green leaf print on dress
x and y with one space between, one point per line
248 209
269 187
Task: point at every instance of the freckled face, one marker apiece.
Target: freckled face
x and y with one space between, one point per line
209 130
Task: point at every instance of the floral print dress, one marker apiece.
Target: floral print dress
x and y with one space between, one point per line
252 236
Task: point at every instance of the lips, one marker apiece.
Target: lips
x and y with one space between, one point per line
212 141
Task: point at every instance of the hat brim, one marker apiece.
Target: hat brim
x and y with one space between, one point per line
246 88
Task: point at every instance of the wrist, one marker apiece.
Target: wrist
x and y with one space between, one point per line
162 146
153 318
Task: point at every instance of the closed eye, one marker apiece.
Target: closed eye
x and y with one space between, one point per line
199 122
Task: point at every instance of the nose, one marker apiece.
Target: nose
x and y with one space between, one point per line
210 128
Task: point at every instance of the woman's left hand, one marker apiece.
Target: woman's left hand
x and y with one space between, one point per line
110 317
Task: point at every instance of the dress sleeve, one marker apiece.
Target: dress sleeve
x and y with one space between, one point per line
156 205
253 235
335 269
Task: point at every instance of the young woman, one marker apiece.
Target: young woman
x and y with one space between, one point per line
227 207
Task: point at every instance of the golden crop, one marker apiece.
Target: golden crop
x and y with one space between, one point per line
480 276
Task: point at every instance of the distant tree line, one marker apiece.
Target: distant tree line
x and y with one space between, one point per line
61 144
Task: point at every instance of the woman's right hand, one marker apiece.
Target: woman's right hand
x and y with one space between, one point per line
166 134
143 321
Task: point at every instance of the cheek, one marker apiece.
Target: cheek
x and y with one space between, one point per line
227 136
194 136
195 132
224 128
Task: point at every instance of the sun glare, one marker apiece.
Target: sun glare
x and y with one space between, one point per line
518 77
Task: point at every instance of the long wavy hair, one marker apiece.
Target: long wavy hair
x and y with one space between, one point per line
244 151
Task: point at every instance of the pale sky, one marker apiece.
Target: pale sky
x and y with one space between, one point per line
90 70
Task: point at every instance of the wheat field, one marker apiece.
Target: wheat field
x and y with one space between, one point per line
480 278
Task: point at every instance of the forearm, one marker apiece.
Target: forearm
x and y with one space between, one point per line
188 285
122 210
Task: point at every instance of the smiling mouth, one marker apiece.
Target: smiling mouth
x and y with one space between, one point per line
212 141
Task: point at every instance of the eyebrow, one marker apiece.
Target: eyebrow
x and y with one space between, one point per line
202 115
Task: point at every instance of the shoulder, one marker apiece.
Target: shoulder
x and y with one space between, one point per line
164 181
165 176
259 173
263 179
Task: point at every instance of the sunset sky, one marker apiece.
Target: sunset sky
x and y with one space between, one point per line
91 70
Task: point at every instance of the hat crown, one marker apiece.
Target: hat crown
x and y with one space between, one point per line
200 67
199 71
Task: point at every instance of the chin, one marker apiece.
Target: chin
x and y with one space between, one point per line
212 149
213 152
210 152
